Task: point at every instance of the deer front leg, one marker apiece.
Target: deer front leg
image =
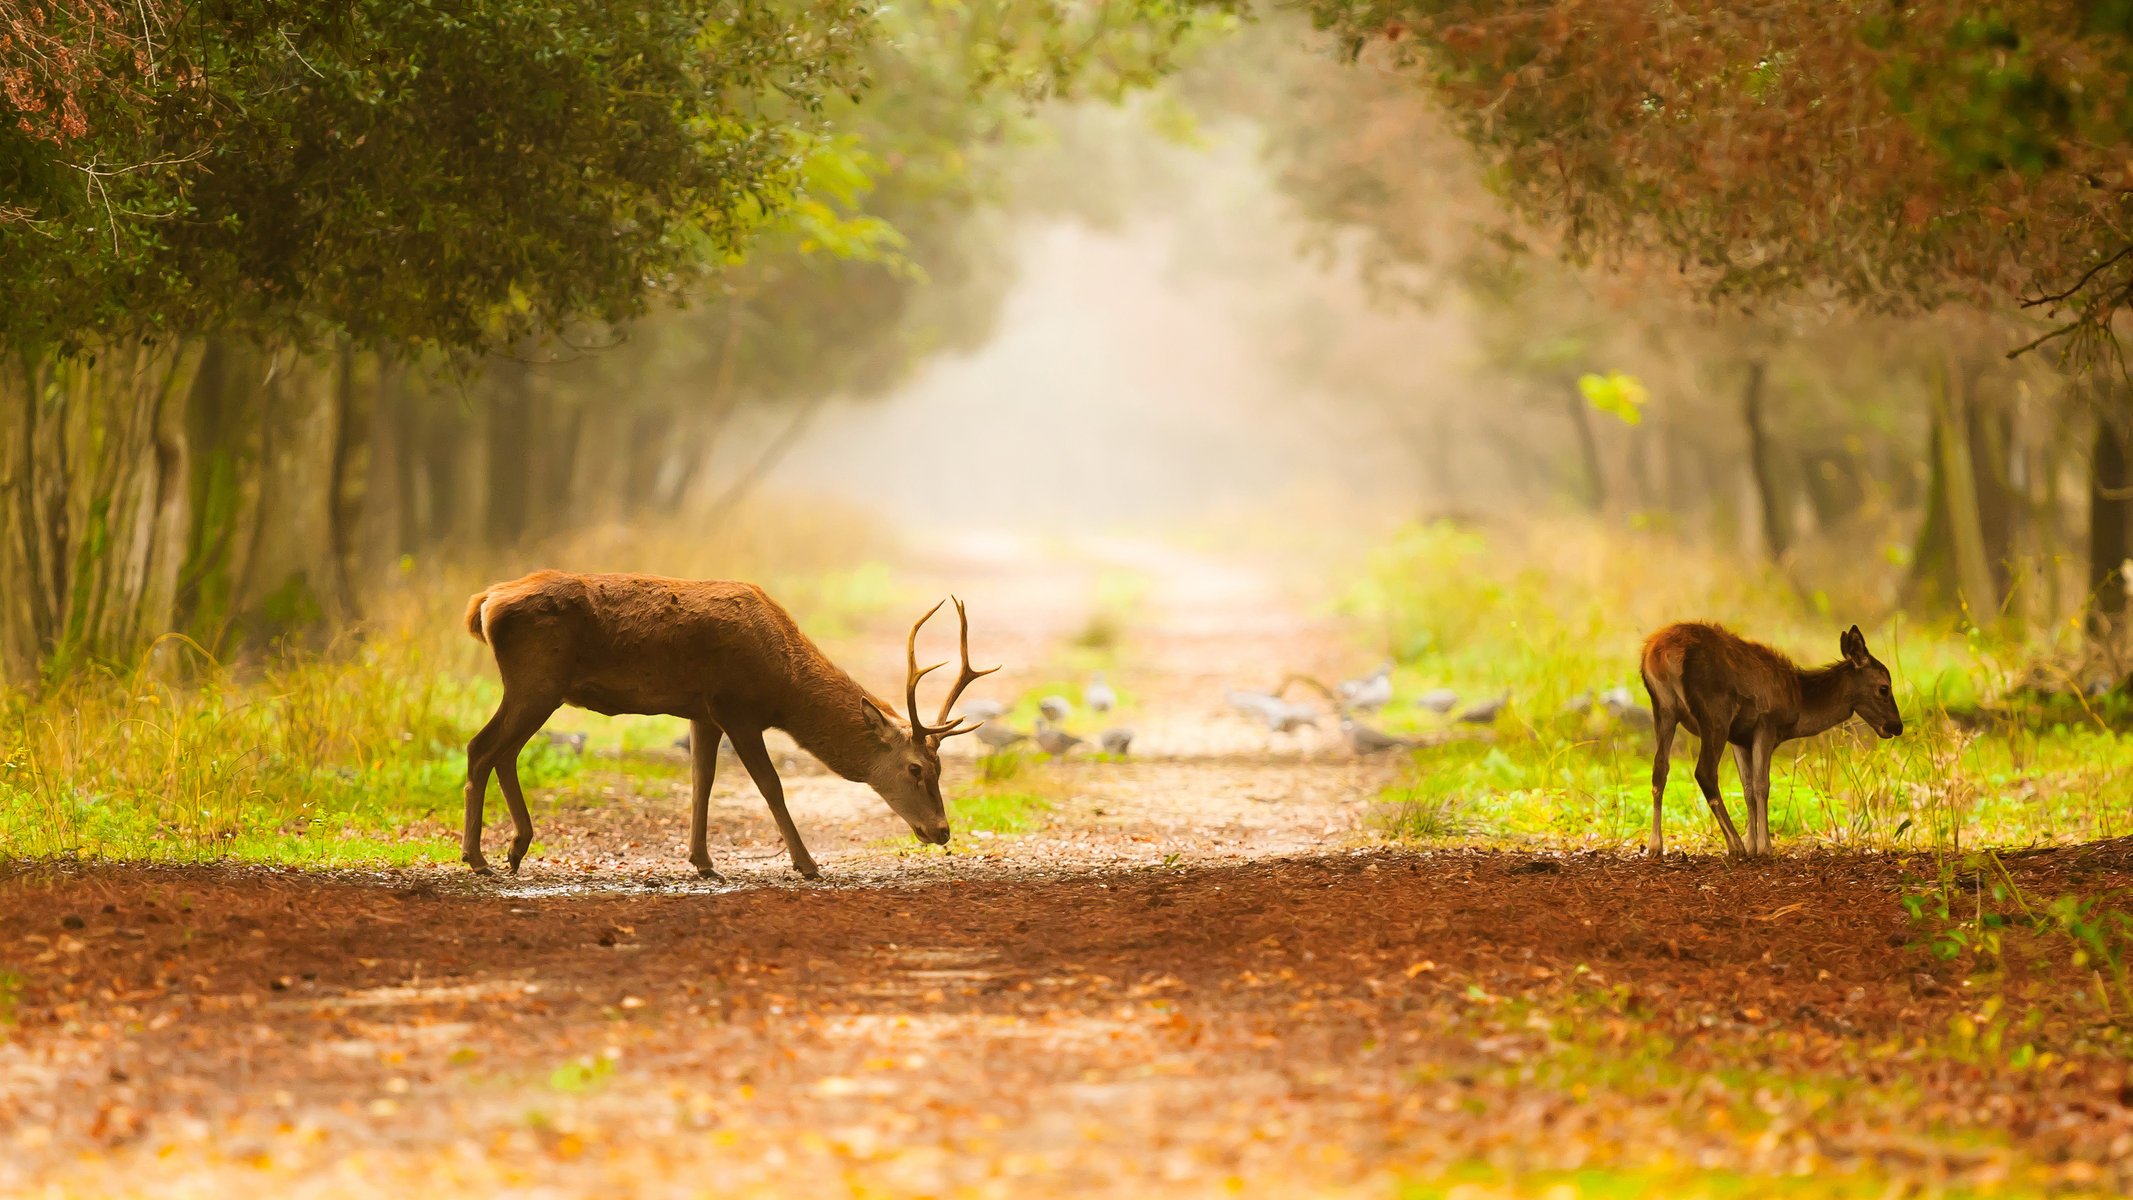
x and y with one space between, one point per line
1759 773
1707 758
1662 761
748 744
703 759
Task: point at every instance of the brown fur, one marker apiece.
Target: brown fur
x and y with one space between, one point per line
723 655
1728 690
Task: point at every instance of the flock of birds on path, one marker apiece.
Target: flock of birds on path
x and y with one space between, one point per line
1366 694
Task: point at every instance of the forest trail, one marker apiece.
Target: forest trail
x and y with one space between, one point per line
1194 974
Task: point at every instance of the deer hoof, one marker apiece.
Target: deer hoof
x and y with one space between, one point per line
808 871
704 871
474 860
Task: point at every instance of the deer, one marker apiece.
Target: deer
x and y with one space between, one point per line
725 657
1728 690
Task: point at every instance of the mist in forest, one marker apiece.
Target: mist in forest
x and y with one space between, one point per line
1188 359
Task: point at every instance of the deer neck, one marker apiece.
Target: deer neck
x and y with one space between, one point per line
831 723
1825 700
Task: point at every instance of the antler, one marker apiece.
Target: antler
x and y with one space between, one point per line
943 728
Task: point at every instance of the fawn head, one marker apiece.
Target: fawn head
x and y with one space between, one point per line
1868 685
907 773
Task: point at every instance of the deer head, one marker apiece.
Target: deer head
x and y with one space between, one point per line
1867 685
907 770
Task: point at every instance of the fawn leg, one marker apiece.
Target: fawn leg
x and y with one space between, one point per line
1664 723
748 744
1744 766
703 761
1759 759
1707 756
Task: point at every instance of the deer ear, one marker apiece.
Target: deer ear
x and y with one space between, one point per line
879 723
1853 646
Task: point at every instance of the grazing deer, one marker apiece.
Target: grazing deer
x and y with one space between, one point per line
1729 690
723 655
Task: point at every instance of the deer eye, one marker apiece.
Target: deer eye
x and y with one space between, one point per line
1884 689
917 772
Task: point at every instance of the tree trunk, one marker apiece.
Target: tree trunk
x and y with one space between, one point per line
1761 462
2110 515
95 503
1959 495
1588 448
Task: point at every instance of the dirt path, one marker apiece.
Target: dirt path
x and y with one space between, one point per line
1197 978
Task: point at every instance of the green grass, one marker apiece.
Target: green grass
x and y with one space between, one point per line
1011 794
1547 618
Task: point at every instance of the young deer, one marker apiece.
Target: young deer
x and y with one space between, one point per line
1727 689
723 655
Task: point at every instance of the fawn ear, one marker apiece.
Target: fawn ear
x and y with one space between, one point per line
1853 646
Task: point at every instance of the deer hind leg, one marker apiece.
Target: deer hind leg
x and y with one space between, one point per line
1664 722
480 762
1708 754
748 744
703 759
1744 766
495 749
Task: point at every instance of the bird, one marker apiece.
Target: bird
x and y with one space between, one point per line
1438 700
1620 702
573 742
1054 740
1098 694
1362 739
1370 693
983 710
1283 717
998 736
1055 708
1485 712
1115 741
1252 704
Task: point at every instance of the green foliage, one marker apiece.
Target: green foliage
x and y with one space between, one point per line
1974 905
1618 395
455 175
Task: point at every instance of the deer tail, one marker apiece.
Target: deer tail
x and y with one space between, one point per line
474 604
1662 672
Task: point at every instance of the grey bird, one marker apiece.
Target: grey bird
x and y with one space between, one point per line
1362 739
1622 703
573 742
998 736
1288 718
1438 700
1098 694
1054 740
983 710
1055 708
1370 693
1252 704
1486 712
1115 741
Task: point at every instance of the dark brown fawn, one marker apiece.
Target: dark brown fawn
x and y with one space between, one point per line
1729 690
726 657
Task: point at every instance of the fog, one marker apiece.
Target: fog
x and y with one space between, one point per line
1186 361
